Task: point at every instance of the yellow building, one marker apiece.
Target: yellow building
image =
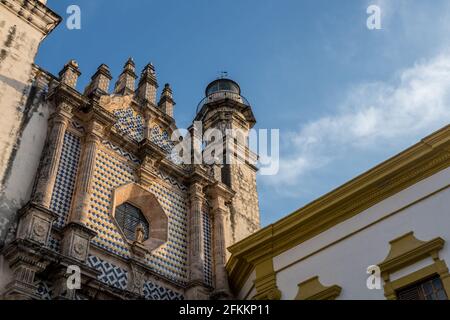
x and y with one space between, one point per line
382 235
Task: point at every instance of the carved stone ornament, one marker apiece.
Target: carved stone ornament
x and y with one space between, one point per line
35 225
79 248
114 102
39 229
64 106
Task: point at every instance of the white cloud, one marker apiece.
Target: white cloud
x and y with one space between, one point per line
373 116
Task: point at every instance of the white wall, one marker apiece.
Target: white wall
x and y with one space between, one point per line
346 262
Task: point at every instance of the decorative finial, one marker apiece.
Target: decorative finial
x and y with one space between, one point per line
99 81
166 102
70 73
223 74
73 63
126 82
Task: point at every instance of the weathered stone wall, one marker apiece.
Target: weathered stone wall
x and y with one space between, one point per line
5 274
23 121
243 217
245 209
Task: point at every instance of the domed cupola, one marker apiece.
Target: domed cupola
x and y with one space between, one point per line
222 89
222 85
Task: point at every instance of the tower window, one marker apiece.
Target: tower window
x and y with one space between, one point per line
430 289
129 219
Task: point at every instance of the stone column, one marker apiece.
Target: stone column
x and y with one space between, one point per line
219 196
86 172
197 248
77 237
197 289
148 118
52 154
221 277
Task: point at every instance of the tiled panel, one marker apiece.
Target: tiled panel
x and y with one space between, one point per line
172 181
161 138
155 292
110 173
54 243
65 179
130 124
109 273
44 290
207 241
121 152
171 259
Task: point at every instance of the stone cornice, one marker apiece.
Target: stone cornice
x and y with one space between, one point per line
218 189
35 13
149 149
81 227
199 175
63 93
419 162
100 114
21 250
155 112
33 205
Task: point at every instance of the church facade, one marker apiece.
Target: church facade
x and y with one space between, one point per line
107 209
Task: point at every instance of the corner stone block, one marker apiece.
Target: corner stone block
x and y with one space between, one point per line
35 224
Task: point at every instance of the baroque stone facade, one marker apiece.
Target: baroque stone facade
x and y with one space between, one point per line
106 152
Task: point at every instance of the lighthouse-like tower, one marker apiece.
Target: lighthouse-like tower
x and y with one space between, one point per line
224 108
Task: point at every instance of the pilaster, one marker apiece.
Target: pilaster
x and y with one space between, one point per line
84 182
266 281
50 161
220 196
196 232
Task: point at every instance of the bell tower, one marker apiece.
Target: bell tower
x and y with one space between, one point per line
224 108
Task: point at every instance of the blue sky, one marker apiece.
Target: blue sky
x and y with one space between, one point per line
344 97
